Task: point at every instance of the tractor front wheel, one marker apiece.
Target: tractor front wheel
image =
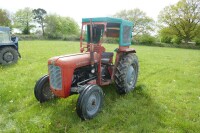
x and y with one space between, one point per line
8 55
126 73
90 102
42 90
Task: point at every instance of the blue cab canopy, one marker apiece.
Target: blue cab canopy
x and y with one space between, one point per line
116 27
4 35
5 29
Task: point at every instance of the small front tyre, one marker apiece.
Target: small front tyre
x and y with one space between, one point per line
42 90
90 102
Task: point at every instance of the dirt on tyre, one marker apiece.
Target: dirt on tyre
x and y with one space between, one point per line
90 102
126 73
8 55
42 90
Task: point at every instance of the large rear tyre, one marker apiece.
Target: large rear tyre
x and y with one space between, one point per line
42 90
8 55
90 102
126 73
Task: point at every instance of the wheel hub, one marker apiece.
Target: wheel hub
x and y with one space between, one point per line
47 92
131 76
93 103
8 57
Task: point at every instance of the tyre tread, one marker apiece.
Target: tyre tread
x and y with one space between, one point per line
121 70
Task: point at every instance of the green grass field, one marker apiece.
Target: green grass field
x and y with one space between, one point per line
166 99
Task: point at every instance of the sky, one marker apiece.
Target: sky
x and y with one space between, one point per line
78 9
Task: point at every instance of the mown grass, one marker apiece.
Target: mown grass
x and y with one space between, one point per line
166 99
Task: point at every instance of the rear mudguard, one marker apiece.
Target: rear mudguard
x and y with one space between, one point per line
120 51
125 50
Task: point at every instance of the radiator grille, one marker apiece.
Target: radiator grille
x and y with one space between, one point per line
55 77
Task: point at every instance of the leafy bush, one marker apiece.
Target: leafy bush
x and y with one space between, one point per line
54 36
30 37
176 40
57 26
71 38
166 39
146 39
197 41
49 37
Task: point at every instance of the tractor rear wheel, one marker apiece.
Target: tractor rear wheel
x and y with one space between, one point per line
8 55
42 90
90 102
126 73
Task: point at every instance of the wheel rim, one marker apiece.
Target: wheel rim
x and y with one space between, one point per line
131 76
8 57
47 92
93 103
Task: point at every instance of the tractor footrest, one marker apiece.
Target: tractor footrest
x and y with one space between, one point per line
107 82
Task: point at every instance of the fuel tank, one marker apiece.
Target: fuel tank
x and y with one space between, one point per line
61 70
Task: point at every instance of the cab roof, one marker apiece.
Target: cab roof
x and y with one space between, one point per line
108 20
116 27
4 28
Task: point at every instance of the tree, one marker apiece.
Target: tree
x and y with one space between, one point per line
23 19
166 35
142 23
182 18
58 27
39 17
197 37
5 18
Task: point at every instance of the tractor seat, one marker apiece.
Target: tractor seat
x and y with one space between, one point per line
106 57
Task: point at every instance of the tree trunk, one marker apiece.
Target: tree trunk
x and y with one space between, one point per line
186 40
42 25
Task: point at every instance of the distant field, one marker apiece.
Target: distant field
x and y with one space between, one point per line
166 99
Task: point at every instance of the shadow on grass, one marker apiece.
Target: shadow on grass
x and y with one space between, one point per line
136 109
8 66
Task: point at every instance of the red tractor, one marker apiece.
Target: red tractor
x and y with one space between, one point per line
85 72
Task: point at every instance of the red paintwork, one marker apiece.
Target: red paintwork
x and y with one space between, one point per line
68 63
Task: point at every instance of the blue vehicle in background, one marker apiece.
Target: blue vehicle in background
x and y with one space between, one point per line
8 49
